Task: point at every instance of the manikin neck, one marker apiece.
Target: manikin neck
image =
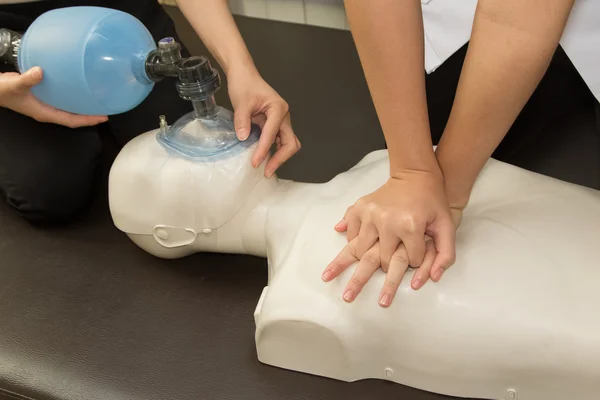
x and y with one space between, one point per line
245 232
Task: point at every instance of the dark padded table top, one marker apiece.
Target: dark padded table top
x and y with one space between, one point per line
85 314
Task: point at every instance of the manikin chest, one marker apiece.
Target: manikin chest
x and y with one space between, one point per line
514 310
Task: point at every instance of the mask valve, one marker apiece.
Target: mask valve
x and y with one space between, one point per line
197 81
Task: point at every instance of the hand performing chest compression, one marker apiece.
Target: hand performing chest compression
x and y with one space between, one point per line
411 220
406 223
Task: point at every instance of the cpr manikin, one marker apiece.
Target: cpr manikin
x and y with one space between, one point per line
515 318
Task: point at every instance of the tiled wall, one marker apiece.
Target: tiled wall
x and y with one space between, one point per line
327 13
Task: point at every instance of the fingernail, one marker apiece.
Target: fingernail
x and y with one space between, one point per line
438 274
385 300
349 295
416 284
339 224
242 134
326 276
269 172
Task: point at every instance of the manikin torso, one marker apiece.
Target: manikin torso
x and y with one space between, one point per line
515 317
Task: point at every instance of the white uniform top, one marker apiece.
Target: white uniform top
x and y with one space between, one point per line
448 26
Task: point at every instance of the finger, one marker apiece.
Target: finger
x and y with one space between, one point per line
444 237
354 223
28 79
284 153
341 226
395 273
341 262
259 120
369 263
242 118
275 118
289 146
421 274
367 237
47 114
388 244
415 247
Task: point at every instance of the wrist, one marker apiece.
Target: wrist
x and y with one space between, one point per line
458 197
457 183
414 161
238 63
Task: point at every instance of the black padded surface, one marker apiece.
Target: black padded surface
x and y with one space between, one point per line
84 314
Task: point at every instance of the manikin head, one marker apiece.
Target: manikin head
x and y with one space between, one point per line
191 188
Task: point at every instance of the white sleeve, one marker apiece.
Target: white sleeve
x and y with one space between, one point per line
447 25
581 42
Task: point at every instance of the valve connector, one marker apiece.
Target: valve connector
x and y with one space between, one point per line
197 79
169 51
9 47
164 60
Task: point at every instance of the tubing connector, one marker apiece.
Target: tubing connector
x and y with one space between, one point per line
9 46
197 81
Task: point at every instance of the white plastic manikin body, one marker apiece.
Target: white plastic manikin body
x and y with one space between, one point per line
515 318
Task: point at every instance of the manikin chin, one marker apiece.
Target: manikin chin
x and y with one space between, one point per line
516 317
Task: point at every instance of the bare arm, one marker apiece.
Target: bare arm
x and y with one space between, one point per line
213 22
389 227
511 46
389 38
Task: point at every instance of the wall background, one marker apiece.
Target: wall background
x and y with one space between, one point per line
325 13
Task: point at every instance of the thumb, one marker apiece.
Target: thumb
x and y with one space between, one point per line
241 120
29 79
341 226
444 238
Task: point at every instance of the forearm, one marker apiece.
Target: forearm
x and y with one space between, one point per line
512 43
214 24
389 38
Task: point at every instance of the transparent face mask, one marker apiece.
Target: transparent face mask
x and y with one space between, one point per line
206 139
